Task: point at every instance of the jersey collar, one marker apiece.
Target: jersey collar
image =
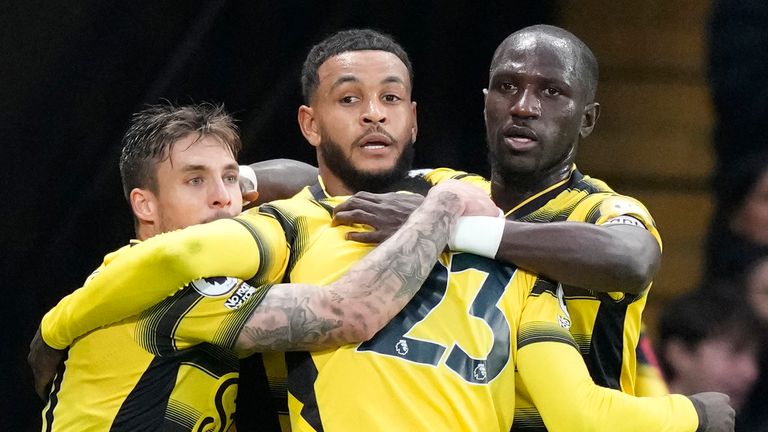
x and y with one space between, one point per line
538 200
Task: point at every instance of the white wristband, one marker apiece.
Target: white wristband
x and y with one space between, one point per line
480 235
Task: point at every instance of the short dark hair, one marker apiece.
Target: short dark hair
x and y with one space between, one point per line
589 70
345 41
715 309
154 130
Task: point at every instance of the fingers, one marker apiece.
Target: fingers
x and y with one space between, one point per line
370 237
361 201
41 388
44 362
352 217
477 202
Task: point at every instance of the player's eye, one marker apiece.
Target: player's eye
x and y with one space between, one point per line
551 91
347 100
391 98
195 181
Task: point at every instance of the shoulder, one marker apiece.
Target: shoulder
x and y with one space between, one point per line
436 175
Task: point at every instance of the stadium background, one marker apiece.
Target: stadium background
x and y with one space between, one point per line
73 72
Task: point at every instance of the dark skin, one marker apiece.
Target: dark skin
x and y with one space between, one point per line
707 399
538 105
536 110
281 178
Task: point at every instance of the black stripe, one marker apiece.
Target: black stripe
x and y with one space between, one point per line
317 192
302 374
285 223
264 257
162 339
528 420
53 394
255 409
146 405
290 230
543 285
541 200
144 408
564 339
417 184
607 345
528 428
325 206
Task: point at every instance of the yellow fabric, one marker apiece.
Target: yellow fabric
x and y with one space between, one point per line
650 381
569 401
376 386
584 199
401 393
171 366
132 282
437 175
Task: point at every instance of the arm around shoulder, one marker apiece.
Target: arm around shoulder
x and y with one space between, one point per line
282 178
145 274
360 303
581 405
608 258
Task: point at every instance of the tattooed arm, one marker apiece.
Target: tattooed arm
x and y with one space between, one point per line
360 303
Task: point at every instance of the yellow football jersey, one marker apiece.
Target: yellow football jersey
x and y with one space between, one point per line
446 362
171 367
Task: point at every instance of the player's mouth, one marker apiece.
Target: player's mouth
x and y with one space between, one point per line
375 143
520 138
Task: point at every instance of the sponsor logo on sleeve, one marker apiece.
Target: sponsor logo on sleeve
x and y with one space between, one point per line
240 296
214 286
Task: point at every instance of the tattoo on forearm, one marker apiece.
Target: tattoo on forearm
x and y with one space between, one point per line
373 291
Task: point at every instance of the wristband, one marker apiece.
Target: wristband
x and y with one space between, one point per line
480 235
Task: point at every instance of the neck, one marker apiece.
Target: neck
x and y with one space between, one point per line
509 190
144 231
334 185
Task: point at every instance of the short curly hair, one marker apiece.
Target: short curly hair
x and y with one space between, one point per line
345 41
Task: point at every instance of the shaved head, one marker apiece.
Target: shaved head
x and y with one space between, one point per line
584 61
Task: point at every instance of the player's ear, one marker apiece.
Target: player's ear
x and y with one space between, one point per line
589 118
309 126
143 204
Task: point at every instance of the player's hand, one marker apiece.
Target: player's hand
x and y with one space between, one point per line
715 412
44 362
385 213
475 200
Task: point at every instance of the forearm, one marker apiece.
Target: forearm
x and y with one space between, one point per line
601 258
282 178
360 303
578 404
148 273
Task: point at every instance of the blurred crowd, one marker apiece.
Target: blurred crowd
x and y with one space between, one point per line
713 337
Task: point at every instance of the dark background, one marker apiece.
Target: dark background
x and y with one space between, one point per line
72 73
